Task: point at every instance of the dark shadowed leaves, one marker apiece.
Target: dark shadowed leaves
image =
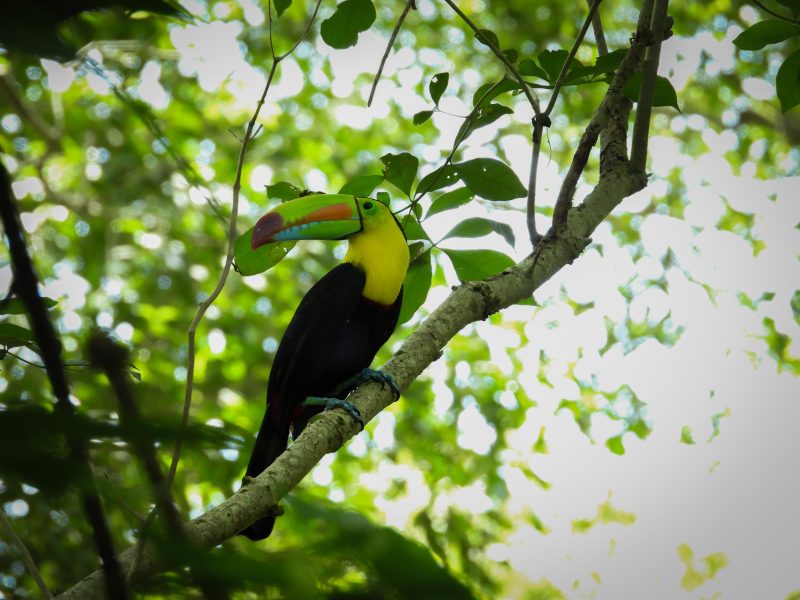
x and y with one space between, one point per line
15 306
422 116
282 5
788 82
393 564
763 33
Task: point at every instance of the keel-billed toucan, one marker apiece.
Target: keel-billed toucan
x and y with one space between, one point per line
339 325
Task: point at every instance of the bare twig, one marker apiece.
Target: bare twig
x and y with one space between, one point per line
26 556
396 30
644 105
26 286
460 137
543 120
201 310
34 119
599 36
565 67
539 123
534 102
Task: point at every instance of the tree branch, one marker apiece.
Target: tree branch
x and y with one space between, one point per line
26 556
644 106
597 124
396 30
26 285
499 54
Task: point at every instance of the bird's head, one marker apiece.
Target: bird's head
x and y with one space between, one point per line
322 217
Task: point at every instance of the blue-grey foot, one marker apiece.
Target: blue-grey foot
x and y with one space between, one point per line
365 375
332 403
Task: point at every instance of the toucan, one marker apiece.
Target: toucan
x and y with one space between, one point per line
339 325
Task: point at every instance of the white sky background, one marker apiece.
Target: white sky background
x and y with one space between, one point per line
737 493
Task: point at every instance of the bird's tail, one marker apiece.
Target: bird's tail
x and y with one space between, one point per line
270 443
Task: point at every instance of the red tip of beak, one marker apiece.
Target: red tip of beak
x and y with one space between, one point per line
267 226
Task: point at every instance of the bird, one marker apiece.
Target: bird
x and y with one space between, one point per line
339 325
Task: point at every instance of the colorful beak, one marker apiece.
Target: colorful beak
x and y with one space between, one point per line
315 217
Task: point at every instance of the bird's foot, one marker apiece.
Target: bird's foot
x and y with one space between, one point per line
333 403
380 377
365 375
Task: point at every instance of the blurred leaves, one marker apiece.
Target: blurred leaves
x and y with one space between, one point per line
43 36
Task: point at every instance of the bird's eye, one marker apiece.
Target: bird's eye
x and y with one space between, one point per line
367 205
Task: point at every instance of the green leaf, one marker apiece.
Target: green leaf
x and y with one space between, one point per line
478 227
416 286
438 179
283 190
400 169
362 186
252 262
485 116
609 62
485 36
491 179
529 68
505 85
413 229
15 306
437 86
12 335
422 116
792 5
281 6
341 29
472 265
552 61
763 33
450 200
511 54
664 92
787 82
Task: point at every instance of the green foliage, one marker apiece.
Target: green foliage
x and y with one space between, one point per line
416 286
471 265
763 33
478 227
400 170
437 86
352 17
664 94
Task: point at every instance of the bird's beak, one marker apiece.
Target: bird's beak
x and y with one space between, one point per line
315 217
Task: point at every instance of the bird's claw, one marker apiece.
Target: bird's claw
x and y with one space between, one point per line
383 378
347 407
333 403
